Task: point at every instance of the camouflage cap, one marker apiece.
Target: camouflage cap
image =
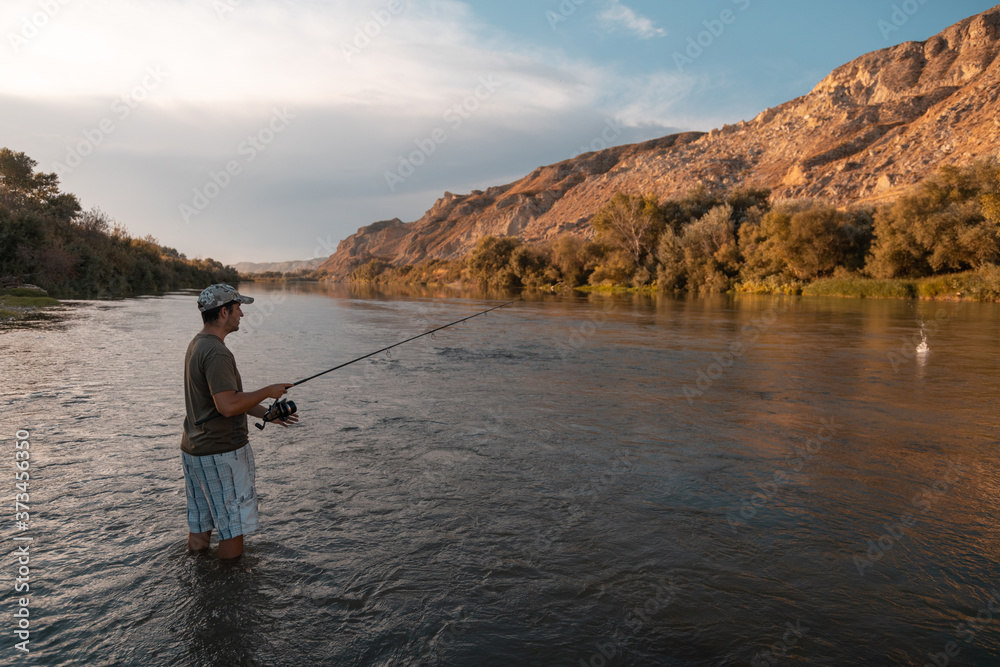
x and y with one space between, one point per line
220 294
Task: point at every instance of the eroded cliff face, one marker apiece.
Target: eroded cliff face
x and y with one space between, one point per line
870 129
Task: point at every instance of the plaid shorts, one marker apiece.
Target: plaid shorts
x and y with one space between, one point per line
221 493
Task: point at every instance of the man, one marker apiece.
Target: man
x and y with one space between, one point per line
215 447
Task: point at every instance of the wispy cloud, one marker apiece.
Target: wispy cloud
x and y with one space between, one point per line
354 116
652 100
618 15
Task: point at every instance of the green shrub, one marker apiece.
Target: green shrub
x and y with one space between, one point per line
615 268
371 271
941 227
984 285
28 301
711 257
772 284
803 240
630 224
489 263
23 291
574 258
862 287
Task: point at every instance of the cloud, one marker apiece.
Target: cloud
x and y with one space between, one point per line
618 15
337 53
366 89
653 100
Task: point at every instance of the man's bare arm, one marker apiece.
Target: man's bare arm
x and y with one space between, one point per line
232 403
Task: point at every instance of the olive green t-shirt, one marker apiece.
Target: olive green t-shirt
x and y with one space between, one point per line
209 367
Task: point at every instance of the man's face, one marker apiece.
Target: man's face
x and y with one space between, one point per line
233 320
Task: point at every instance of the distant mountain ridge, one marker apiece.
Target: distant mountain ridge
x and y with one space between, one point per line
868 131
247 268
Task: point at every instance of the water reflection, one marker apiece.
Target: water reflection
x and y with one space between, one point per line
224 619
512 490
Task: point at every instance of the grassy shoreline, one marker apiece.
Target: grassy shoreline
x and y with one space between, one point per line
980 285
18 303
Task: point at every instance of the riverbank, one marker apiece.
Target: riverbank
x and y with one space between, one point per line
982 284
280 278
19 303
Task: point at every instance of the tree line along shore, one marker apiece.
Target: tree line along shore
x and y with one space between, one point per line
941 240
50 246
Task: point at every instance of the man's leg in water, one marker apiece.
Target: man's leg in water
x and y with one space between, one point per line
231 548
199 541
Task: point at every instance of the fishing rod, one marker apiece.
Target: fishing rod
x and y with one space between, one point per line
281 409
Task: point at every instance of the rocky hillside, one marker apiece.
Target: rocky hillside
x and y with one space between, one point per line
867 131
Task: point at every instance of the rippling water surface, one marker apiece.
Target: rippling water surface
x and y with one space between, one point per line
568 481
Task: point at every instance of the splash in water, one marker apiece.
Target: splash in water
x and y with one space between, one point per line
922 348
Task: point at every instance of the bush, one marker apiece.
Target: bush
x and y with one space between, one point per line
703 257
771 285
671 272
711 257
983 284
371 271
489 263
574 258
862 287
615 268
531 266
948 224
803 240
629 225
23 291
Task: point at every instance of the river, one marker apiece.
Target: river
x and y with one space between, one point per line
569 480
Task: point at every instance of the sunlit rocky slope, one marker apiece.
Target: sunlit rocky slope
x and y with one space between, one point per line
867 131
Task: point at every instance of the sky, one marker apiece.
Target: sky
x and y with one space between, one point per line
269 130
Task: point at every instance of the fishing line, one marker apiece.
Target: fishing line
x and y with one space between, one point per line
284 408
386 349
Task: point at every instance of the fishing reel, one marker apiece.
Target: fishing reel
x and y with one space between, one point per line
278 411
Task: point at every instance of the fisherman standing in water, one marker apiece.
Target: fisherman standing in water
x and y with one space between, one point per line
215 447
